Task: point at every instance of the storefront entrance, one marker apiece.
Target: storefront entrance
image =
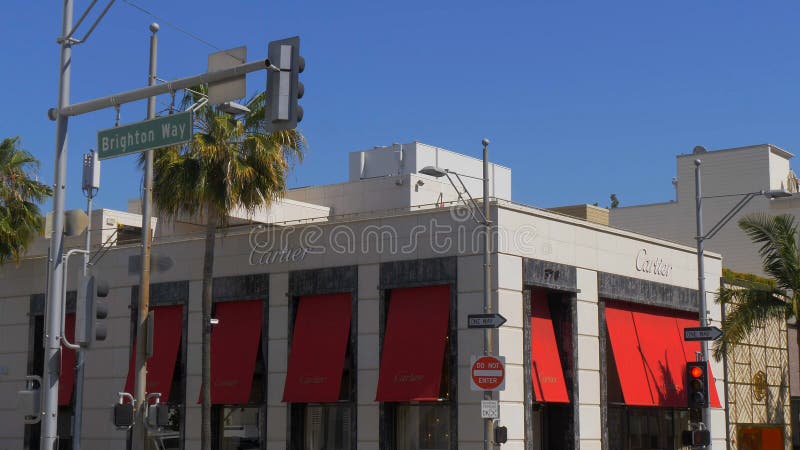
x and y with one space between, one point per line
551 353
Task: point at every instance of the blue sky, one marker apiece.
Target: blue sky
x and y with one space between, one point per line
580 98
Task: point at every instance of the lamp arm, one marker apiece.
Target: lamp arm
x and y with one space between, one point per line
472 203
729 215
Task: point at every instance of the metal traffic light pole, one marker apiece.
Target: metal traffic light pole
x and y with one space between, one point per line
52 332
701 276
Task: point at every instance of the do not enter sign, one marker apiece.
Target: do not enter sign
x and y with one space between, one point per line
488 373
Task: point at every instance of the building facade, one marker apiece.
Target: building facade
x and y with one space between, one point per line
763 412
350 330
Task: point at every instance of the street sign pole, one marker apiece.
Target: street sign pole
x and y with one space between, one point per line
701 276
488 430
142 338
53 325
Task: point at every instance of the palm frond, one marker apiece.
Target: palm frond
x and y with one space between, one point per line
750 307
779 255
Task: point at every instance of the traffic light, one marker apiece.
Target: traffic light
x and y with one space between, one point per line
283 84
91 310
697 384
696 438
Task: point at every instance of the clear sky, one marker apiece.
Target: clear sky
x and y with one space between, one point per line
580 98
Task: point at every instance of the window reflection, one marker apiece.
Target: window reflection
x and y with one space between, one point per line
423 426
327 426
241 428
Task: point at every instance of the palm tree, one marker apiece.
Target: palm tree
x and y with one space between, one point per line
229 163
755 303
20 219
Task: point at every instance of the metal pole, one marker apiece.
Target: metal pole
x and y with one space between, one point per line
52 344
81 356
701 276
139 428
165 88
487 286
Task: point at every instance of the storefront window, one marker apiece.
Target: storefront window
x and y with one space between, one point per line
241 428
423 426
646 428
327 426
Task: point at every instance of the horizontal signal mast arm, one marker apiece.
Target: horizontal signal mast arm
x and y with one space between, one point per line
145 92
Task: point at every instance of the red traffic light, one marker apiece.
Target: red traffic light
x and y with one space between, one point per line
696 372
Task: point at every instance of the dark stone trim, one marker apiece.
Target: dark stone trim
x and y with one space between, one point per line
603 338
548 274
163 294
618 287
37 302
265 379
241 287
418 272
453 366
329 280
573 305
423 272
527 369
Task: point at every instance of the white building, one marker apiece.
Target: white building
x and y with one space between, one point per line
725 174
344 325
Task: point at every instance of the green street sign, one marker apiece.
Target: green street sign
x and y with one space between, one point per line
149 134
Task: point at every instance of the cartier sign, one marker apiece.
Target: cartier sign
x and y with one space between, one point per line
654 265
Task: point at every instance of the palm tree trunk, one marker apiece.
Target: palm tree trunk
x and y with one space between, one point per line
208 274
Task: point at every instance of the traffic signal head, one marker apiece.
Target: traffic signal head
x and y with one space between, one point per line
122 415
696 438
500 435
697 384
91 310
283 85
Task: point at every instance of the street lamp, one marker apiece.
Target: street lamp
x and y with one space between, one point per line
481 217
701 238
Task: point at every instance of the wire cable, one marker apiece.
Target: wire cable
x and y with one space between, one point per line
172 25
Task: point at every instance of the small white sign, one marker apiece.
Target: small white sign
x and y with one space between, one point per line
490 409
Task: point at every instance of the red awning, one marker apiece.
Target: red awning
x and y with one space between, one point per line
66 381
628 357
665 364
166 342
650 355
547 374
234 347
690 351
413 344
319 345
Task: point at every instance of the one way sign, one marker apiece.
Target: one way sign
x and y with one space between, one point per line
701 334
485 320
